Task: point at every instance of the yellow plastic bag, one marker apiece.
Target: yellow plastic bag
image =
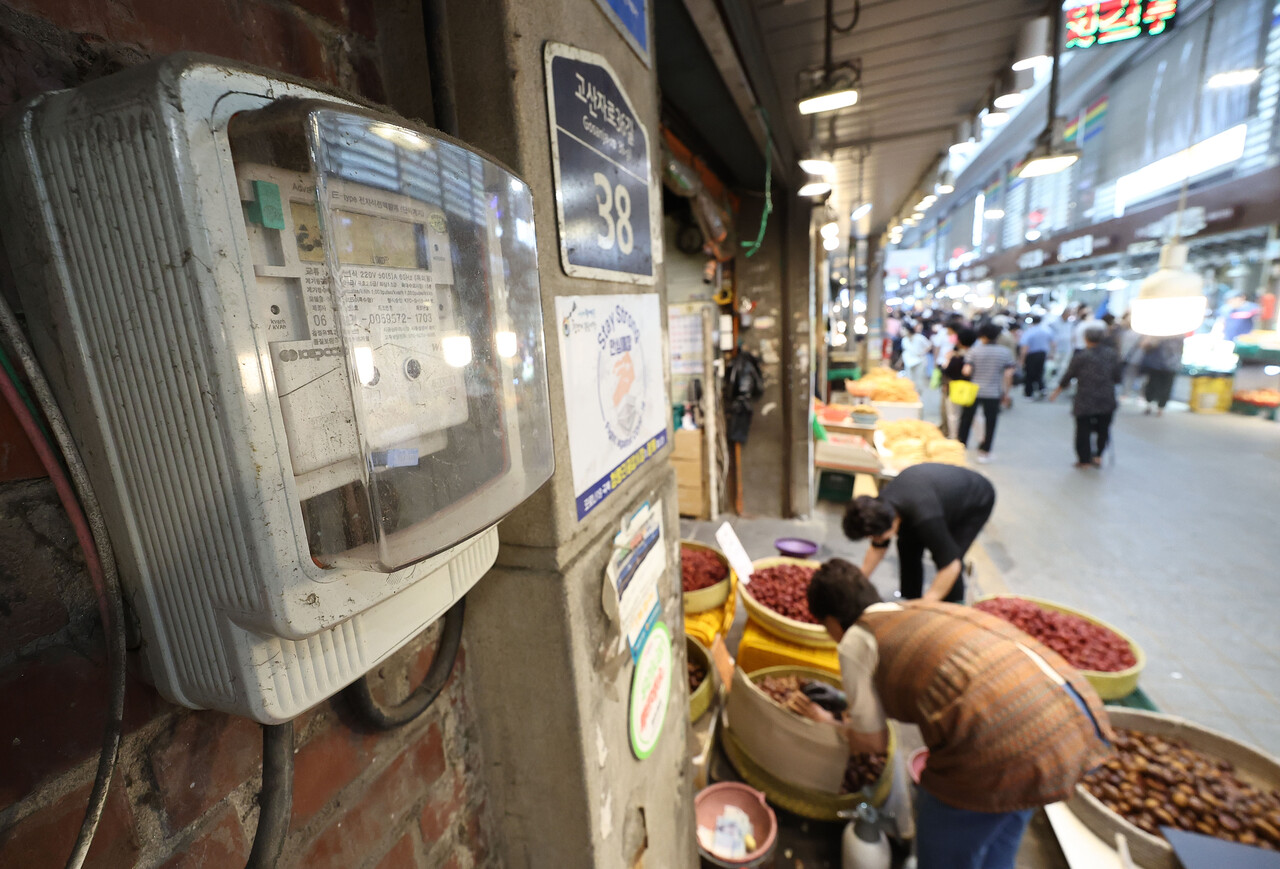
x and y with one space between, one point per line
963 392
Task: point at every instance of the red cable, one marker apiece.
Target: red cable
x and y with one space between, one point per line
66 494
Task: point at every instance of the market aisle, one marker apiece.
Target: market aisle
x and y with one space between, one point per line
1176 542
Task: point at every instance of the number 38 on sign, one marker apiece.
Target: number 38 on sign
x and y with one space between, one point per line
601 159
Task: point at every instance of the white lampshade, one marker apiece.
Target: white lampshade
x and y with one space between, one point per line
1033 44
1171 301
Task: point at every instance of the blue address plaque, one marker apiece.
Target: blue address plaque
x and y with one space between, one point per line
603 175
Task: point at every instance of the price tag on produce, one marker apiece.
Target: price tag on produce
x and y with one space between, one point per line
731 546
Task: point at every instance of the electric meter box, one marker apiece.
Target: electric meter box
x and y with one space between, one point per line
300 345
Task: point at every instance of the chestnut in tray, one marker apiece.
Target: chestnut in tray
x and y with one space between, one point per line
1156 781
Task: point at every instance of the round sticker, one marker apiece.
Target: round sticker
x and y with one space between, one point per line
650 691
621 377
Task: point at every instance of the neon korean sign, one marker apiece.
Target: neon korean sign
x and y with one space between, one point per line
1112 21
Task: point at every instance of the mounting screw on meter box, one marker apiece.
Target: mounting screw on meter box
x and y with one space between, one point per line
299 343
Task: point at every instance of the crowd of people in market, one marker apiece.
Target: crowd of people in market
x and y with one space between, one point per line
998 352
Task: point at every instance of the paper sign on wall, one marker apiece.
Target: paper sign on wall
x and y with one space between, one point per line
614 393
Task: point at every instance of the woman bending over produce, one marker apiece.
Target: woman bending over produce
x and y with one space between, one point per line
1009 724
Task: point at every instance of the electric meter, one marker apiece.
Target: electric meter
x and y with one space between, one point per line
300 345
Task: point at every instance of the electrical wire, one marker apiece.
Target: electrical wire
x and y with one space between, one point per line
831 17
752 247
390 717
275 800
91 532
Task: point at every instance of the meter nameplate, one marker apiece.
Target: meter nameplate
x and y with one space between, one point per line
396 292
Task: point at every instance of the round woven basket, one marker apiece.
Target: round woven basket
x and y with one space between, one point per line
700 698
713 596
1153 852
806 802
1110 686
778 624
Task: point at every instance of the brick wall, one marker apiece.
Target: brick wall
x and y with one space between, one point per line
185 792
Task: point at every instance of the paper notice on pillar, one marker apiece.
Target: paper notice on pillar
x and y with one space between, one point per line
614 393
636 563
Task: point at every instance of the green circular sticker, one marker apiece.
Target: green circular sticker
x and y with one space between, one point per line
650 691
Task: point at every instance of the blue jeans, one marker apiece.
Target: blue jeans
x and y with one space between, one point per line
950 838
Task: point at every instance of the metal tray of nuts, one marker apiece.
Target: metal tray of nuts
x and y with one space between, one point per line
1252 766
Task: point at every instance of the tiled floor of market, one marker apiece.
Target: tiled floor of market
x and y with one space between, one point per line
1177 543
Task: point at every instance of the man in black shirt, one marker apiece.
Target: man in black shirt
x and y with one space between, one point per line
940 508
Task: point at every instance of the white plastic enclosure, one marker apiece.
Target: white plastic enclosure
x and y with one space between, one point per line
300 345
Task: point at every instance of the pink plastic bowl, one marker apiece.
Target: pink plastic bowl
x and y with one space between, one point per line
710 803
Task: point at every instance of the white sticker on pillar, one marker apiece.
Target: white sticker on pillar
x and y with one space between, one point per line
638 559
731 546
615 397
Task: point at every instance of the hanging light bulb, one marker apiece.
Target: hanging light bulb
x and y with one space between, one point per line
1171 301
830 243
815 188
830 229
816 162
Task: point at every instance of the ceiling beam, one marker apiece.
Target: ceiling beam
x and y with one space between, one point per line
880 139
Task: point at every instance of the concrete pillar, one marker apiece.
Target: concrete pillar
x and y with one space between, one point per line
799 355
552 699
870 353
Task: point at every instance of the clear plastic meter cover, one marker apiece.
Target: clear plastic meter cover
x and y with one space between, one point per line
397 280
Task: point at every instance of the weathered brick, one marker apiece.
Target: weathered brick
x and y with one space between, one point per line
164 26
428 755
326 764
363 18
79 16
62 697
403 855
372 816
221 843
285 42
441 811
200 759
43 839
330 10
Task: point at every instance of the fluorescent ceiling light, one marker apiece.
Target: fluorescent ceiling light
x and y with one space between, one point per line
909 221
861 211
830 243
817 166
830 229
917 216
1233 78
1009 100
993 213
814 188
1212 153
841 97
995 119
1033 235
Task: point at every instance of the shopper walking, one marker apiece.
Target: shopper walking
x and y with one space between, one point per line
915 357
1035 348
1161 362
1010 726
1096 370
990 365
934 507
1127 341
953 369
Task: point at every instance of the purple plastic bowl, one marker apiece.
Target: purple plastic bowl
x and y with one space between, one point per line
795 547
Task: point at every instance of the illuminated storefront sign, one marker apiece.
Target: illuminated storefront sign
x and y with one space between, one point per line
1118 20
